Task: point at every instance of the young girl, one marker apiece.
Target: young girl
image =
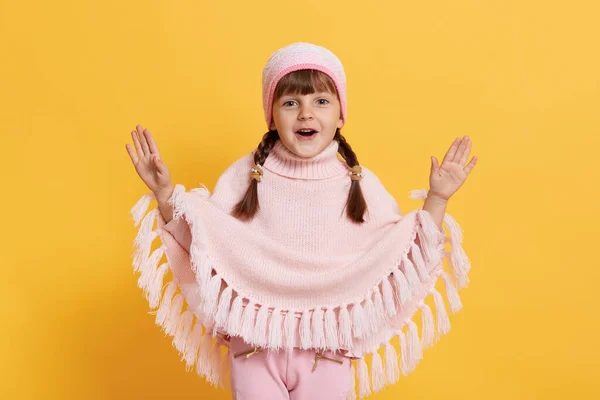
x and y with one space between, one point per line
300 264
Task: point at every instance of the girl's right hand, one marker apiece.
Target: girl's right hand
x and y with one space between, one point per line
147 163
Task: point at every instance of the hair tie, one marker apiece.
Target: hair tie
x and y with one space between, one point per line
257 172
356 173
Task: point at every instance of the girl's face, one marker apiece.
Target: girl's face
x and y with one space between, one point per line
319 111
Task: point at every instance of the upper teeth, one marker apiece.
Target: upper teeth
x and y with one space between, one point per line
306 130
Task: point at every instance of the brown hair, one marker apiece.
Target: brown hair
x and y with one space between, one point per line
303 82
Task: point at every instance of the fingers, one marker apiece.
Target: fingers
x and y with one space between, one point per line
451 151
136 143
470 166
151 143
159 164
434 164
466 150
132 155
140 131
144 142
460 150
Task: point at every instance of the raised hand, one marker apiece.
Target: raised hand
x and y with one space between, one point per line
447 178
148 164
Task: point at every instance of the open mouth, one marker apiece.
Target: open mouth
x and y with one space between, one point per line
306 133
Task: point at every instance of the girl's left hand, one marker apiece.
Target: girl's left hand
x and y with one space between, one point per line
447 178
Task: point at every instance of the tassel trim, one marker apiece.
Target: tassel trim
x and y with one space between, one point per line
190 336
329 328
386 370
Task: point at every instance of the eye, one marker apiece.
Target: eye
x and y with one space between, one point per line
289 101
323 100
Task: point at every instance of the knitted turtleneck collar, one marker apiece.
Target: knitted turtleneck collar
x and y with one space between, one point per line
324 165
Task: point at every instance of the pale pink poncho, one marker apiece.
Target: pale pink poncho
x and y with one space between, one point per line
300 274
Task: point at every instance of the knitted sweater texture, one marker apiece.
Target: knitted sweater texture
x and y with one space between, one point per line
300 274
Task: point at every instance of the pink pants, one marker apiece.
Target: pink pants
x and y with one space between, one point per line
279 375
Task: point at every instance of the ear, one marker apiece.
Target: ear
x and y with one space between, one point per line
340 123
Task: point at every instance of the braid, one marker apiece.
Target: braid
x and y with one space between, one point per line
345 150
356 204
265 147
248 206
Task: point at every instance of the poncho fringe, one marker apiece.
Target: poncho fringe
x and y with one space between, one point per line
194 328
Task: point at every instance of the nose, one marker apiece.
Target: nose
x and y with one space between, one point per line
305 113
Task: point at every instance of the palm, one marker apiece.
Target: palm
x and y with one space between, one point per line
447 178
148 171
151 169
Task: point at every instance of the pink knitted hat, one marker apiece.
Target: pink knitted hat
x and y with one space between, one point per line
298 56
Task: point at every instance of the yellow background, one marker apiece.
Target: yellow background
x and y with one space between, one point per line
520 77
